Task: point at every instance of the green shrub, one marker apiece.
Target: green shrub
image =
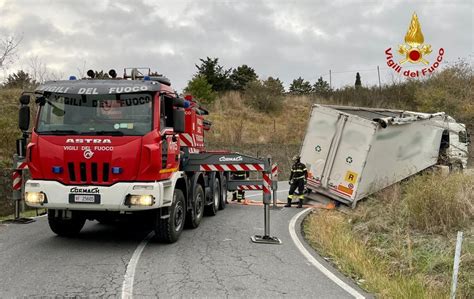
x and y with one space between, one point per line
264 96
199 88
9 131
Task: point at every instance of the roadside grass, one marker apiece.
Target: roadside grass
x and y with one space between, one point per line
400 242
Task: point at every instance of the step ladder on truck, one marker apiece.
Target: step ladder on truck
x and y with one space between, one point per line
124 147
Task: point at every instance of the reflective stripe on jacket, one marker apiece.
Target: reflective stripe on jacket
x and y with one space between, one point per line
298 171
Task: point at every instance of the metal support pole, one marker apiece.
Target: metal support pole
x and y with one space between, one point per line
16 194
266 238
457 259
274 184
274 198
18 183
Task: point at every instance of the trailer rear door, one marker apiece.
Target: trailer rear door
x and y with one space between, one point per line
320 133
335 149
349 158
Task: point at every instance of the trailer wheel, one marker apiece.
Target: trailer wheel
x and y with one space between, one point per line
193 219
223 197
168 230
212 209
65 227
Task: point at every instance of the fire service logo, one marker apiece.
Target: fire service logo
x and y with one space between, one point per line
88 154
414 51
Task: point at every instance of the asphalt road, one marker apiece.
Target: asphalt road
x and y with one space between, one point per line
215 260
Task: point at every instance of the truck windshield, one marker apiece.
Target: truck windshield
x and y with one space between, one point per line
115 115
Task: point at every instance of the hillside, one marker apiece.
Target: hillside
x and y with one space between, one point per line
238 127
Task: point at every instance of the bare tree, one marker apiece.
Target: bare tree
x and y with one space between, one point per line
8 48
38 70
54 75
82 70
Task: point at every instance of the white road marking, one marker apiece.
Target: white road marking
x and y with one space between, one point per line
127 286
260 194
314 262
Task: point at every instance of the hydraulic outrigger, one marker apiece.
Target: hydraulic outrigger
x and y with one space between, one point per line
209 161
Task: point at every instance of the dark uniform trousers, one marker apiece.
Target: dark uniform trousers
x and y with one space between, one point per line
297 182
239 194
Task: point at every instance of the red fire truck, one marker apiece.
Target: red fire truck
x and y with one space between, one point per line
131 146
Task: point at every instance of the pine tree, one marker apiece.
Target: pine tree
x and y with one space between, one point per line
358 82
215 74
275 84
241 76
300 86
19 79
321 87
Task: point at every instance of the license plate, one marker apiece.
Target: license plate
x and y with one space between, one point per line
84 198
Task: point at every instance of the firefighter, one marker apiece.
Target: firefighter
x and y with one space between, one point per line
298 177
239 195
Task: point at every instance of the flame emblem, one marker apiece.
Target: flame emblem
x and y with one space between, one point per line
414 49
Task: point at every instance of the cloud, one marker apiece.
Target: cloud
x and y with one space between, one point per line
285 39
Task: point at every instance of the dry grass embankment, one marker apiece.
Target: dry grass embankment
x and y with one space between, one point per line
238 127
236 123
400 242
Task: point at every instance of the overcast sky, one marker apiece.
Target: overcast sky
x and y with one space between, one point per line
284 39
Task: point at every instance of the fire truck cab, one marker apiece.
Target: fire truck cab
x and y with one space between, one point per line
104 149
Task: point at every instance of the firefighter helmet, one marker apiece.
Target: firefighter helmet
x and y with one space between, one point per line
296 158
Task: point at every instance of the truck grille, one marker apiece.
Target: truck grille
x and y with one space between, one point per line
88 172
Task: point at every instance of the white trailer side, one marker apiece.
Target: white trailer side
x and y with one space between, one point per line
353 152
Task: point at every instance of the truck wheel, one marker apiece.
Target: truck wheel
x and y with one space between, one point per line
65 227
212 209
197 209
168 230
455 167
223 197
106 220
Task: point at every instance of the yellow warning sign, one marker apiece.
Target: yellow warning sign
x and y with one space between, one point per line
351 177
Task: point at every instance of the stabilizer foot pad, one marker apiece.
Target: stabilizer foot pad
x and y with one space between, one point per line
20 221
265 240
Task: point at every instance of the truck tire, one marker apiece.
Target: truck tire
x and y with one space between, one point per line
193 219
455 167
223 197
168 230
106 219
212 208
65 227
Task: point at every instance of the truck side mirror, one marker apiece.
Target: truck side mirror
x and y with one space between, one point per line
24 118
178 120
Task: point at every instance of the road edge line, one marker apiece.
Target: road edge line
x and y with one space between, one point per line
129 277
314 262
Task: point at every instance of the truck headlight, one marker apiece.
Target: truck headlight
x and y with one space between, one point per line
35 197
139 200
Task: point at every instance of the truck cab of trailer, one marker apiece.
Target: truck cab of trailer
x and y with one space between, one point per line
109 147
454 144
